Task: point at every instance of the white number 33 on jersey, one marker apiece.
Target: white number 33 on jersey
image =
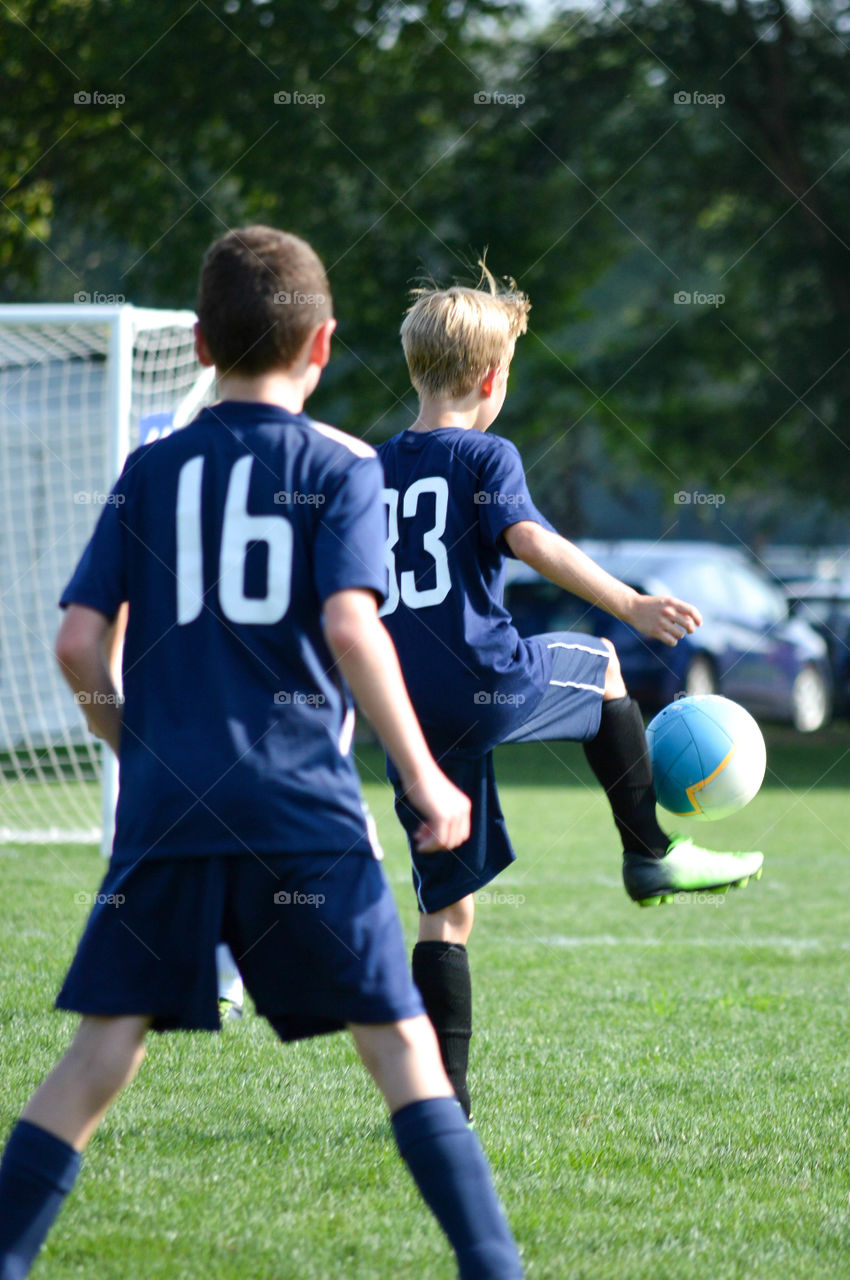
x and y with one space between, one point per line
403 586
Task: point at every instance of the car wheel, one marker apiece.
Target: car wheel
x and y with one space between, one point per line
811 700
700 677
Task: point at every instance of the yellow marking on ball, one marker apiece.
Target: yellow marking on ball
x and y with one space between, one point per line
698 786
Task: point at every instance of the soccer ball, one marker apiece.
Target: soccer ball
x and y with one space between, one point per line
708 757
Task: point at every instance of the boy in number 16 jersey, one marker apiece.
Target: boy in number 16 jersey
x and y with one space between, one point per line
458 505
249 549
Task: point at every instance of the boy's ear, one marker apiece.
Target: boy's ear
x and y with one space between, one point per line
490 381
320 344
202 351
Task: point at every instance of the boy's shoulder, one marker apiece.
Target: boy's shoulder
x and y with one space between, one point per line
457 440
347 443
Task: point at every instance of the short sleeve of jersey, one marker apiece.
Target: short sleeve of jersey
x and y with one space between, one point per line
99 580
503 498
349 545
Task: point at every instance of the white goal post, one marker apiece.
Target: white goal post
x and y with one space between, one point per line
80 386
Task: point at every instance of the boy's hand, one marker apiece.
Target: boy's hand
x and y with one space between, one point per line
445 811
663 618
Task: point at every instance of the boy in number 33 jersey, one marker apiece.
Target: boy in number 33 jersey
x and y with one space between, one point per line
458 505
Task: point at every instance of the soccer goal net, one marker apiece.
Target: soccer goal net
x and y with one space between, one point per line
80 386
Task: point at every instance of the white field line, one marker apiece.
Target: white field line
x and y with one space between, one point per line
771 942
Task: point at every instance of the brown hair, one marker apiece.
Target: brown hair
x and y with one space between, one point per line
452 337
262 292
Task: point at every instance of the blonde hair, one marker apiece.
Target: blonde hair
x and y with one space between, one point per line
453 337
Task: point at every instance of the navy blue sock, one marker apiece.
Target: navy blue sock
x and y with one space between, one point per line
36 1173
451 1172
619 757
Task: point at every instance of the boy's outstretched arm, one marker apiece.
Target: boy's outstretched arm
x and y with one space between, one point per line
367 658
662 617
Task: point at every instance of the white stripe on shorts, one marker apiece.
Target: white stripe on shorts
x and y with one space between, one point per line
574 684
585 648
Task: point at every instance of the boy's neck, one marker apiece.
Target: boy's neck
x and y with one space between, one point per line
281 389
434 415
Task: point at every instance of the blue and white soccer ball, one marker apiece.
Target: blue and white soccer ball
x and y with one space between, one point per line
708 757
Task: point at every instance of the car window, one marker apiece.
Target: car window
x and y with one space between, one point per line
754 598
723 588
699 582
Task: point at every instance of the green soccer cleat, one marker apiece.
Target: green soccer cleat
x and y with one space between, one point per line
229 1010
686 868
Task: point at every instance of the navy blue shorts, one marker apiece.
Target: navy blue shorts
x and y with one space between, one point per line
571 707
316 937
569 711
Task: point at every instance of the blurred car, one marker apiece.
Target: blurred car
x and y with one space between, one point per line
749 648
793 564
825 605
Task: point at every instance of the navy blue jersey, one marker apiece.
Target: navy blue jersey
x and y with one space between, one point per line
226 538
450 495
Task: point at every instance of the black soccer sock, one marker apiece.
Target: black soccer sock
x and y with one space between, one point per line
441 972
450 1170
37 1172
619 757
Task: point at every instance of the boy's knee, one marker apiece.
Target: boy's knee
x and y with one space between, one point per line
383 1044
114 1068
615 686
450 924
403 1059
108 1052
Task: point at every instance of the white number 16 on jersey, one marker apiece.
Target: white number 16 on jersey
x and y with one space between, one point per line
239 531
404 586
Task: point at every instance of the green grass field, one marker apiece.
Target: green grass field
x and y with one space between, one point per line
663 1094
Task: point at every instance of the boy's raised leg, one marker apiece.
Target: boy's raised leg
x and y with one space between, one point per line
442 1153
43 1154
